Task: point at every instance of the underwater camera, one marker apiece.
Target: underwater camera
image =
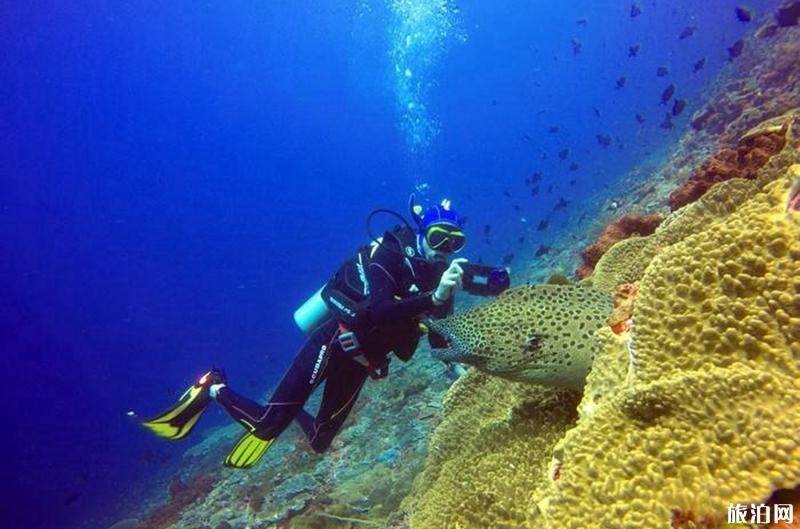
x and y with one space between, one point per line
481 280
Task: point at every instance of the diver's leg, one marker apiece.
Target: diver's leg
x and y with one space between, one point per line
306 372
345 378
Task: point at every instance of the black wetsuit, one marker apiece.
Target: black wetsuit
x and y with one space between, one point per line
397 294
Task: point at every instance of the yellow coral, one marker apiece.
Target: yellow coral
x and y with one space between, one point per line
625 262
489 459
709 418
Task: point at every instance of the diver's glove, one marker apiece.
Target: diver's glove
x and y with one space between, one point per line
450 282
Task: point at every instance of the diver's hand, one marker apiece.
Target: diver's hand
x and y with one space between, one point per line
450 282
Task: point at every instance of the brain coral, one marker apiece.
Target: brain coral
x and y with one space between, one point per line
710 416
706 416
627 260
489 459
621 229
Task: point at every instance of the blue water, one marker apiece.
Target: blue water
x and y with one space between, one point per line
176 178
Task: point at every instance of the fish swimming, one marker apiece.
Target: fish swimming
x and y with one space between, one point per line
633 51
696 67
744 13
541 334
563 153
574 166
635 10
561 204
604 140
661 71
678 106
576 46
542 250
543 225
621 82
666 95
667 123
553 129
788 15
640 117
736 50
687 32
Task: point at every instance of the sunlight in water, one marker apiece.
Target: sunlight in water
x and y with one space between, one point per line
421 32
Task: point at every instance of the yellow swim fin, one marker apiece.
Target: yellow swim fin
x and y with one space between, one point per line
248 451
178 421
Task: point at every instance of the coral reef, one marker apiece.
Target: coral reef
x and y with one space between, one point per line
182 494
550 341
624 294
681 415
627 226
753 151
489 460
625 262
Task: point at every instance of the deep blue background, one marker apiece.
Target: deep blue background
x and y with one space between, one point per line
175 179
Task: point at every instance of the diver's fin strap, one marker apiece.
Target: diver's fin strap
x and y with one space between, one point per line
247 451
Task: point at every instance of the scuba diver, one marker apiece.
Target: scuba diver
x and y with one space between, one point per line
375 304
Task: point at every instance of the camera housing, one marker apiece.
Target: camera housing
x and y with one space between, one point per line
481 280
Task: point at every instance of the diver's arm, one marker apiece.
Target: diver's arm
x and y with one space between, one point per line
383 306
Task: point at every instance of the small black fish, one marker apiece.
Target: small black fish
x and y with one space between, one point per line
635 10
563 153
487 229
574 166
633 51
696 67
516 207
536 177
687 32
72 498
640 117
582 21
596 111
667 123
561 204
788 16
572 182
507 258
678 106
661 71
542 250
553 129
744 13
521 239
543 225
621 82
604 140
576 46
666 95
736 50
507 193
550 188
534 191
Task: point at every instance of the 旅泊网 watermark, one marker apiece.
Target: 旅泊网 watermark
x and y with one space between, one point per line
760 514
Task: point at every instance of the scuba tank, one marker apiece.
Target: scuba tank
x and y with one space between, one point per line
312 313
315 310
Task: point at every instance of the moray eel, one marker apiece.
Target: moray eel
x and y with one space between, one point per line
541 334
